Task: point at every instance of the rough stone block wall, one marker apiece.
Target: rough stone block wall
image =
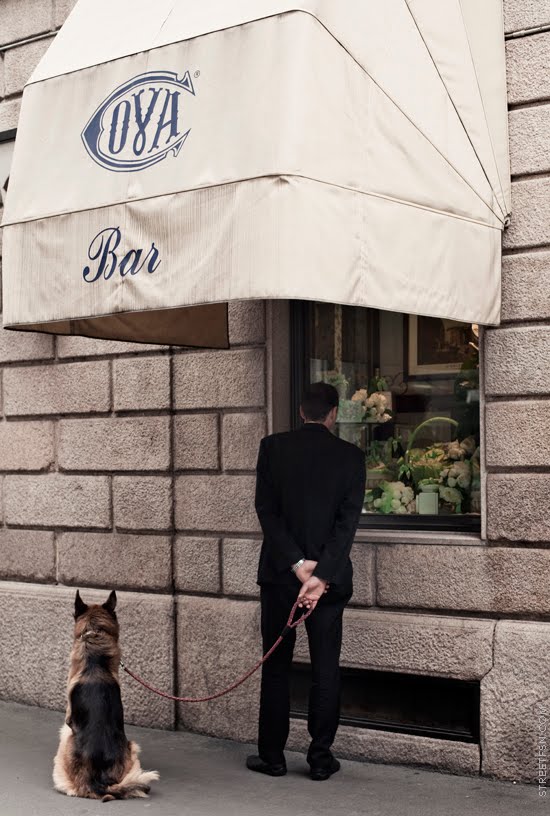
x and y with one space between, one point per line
510 576
110 479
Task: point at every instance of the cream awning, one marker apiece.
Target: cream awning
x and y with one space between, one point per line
176 153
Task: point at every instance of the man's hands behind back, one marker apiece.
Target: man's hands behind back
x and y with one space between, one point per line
304 572
312 588
312 591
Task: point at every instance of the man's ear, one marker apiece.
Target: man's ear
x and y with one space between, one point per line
79 606
302 415
110 603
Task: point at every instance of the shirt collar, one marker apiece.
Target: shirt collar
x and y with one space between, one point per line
313 426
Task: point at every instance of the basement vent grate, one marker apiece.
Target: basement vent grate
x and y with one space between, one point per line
425 706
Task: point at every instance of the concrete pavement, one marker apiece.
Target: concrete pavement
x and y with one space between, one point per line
201 776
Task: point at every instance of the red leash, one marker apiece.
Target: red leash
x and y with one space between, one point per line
289 626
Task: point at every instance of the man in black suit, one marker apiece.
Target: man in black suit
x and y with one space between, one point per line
309 493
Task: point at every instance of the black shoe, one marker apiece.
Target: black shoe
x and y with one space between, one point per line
255 763
320 774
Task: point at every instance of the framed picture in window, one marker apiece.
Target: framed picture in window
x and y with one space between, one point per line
437 345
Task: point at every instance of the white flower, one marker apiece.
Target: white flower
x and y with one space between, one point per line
450 495
461 473
455 451
378 400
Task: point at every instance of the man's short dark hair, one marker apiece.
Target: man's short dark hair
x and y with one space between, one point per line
318 400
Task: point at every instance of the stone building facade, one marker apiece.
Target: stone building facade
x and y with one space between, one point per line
132 466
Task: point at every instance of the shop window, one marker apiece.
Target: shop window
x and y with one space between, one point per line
436 707
409 398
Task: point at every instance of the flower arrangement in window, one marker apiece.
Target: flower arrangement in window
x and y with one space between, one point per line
375 405
362 407
365 407
443 476
395 497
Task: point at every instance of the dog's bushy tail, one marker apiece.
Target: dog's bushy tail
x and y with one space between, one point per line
135 785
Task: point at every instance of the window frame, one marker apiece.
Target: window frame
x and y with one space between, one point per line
7 136
299 356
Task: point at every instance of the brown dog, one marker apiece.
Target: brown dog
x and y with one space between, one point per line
94 759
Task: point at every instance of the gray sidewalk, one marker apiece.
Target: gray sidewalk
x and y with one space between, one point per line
206 777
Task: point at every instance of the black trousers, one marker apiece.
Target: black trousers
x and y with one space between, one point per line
324 630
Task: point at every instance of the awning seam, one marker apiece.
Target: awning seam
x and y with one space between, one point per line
503 214
483 105
394 199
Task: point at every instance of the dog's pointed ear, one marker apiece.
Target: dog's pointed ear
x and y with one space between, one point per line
110 603
79 606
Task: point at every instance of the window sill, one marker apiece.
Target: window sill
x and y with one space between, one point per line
402 536
465 524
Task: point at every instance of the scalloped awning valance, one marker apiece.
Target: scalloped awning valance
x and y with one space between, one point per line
174 156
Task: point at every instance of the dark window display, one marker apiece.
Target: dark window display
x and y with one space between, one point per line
409 397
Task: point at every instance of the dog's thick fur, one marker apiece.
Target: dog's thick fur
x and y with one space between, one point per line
94 759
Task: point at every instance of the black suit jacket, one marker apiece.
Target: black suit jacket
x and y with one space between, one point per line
310 488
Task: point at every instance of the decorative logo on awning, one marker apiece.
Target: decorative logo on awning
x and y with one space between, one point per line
140 123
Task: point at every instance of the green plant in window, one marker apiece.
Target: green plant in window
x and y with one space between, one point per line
376 453
451 465
377 383
423 463
380 463
429 485
386 452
